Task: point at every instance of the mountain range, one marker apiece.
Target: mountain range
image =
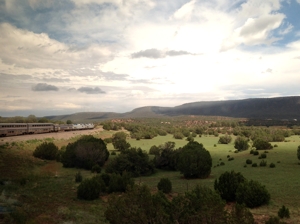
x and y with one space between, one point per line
278 108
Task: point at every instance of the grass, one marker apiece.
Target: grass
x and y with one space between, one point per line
49 195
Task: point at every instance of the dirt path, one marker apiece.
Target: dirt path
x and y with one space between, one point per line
56 135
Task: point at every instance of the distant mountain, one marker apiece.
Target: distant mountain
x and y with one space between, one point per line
258 108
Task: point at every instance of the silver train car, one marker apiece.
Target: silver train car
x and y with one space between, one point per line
13 129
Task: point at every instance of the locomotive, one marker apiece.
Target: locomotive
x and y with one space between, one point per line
12 129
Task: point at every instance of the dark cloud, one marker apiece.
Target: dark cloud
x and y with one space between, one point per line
44 87
155 53
90 90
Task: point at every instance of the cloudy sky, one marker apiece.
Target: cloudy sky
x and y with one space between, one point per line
61 57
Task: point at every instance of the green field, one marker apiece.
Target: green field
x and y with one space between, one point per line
50 191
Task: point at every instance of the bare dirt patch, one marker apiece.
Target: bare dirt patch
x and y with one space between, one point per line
56 135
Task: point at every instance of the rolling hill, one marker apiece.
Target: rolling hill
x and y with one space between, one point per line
256 108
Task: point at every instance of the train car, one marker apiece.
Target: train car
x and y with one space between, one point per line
89 126
66 127
37 128
11 129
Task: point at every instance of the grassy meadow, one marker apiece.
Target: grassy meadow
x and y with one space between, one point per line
45 192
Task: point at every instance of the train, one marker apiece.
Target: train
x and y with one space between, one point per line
13 129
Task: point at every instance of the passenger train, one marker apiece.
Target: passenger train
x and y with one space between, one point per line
12 129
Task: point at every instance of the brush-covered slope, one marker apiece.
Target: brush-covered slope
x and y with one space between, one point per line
261 108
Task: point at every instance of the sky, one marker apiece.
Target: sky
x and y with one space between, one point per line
62 57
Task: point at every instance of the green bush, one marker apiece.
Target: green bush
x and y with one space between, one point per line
222 164
260 144
255 153
89 189
96 169
275 146
113 153
133 160
164 185
284 212
47 150
252 194
78 177
226 139
248 161
263 163
154 150
194 161
252 151
272 165
274 220
230 159
263 155
85 153
254 165
118 183
227 185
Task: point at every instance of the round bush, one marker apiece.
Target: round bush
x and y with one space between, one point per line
227 185
96 169
255 153
164 185
252 194
47 150
249 161
89 189
254 165
222 164
272 165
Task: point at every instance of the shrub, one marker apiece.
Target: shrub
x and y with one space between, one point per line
248 161
154 150
255 153
89 189
252 151
119 141
118 183
263 163
252 194
78 177
166 158
164 185
228 156
254 165
272 165
96 169
240 214
261 144
222 164
133 160
108 140
113 153
241 143
226 139
47 150
227 185
194 161
85 153
284 212
274 220
275 146
298 152
230 159
263 155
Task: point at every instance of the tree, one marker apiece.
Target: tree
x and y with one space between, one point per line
85 153
241 143
47 150
166 158
138 206
298 152
119 141
260 144
69 122
227 185
194 161
165 185
252 194
133 160
31 119
226 139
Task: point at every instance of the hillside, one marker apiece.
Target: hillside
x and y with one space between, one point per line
259 108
